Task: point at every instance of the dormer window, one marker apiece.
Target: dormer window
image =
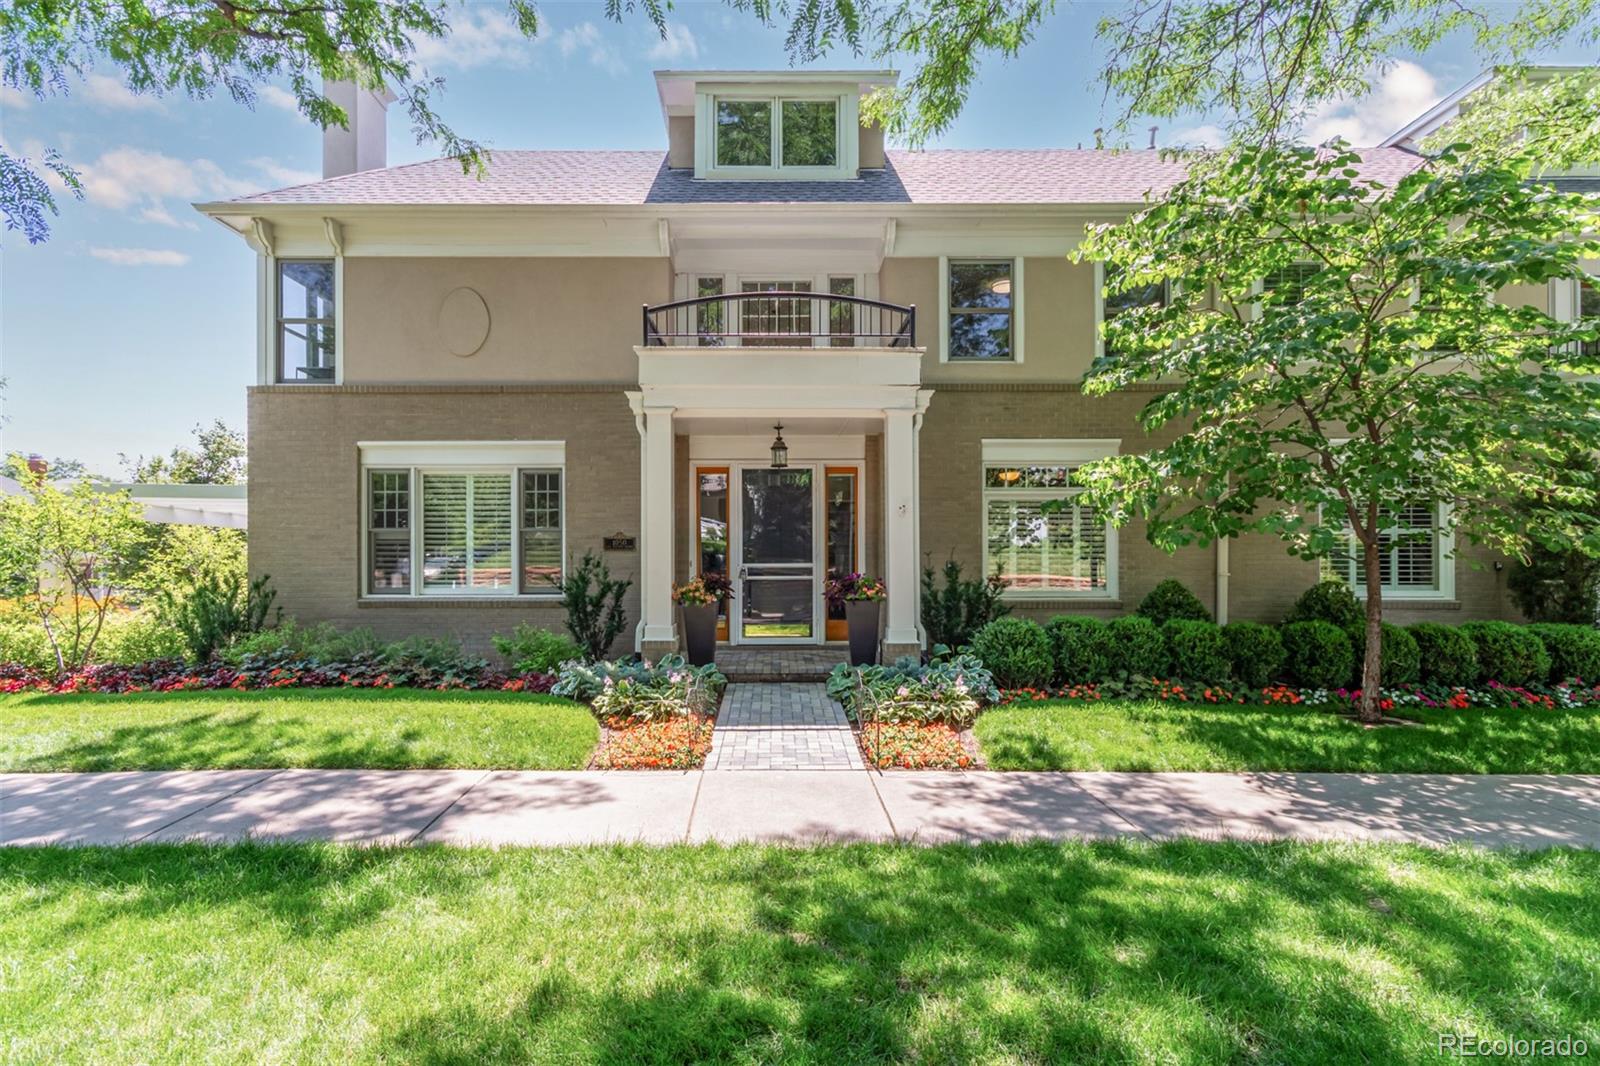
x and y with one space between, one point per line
800 134
770 126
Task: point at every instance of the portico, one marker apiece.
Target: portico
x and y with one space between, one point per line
782 529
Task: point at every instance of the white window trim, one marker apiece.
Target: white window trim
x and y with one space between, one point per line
272 335
1017 288
457 457
1041 452
1445 560
847 115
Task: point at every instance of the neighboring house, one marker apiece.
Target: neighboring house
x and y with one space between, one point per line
466 385
224 506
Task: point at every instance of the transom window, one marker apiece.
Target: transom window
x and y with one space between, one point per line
306 319
776 132
1038 537
1414 555
493 532
982 295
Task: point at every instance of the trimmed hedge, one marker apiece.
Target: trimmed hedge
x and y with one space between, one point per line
1327 601
1318 654
1136 646
1016 651
1197 650
1509 654
1574 650
1081 649
1399 659
1446 655
1255 652
1172 599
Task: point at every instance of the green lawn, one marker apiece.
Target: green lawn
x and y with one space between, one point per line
1145 735
378 729
1121 952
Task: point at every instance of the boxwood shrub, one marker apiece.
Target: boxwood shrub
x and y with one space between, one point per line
1574 650
1081 648
1318 654
1327 601
1172 599
1509 654
1197 650
1016 651
1446 655
1136 646
1255 652
1398 662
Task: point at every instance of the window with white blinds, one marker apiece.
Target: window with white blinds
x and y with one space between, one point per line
1412 558
1038 537
463 533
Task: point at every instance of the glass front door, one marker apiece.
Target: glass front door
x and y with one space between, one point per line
777 561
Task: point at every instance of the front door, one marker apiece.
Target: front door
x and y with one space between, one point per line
777 572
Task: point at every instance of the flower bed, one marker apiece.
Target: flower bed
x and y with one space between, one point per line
664 744
914 746
950 692
174 675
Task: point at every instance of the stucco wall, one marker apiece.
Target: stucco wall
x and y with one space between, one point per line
305 502
1057 320
551 320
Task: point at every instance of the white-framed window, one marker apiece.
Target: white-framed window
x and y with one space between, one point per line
1038 536
756 133
306 321
449 520
1417 560
1109 306
981 303
1589 307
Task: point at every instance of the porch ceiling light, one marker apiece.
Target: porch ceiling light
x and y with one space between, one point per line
780 450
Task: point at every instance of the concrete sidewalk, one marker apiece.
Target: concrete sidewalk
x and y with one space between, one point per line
538 808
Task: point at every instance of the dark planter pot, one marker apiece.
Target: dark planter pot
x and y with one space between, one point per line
700 632
862 618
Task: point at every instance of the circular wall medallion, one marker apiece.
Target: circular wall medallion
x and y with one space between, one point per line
463 322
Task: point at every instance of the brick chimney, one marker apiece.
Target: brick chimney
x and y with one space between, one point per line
38 466
364 145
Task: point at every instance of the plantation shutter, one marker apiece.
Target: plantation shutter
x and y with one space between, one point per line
466 532
541 530
389 532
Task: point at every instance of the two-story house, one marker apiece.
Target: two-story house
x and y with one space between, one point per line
773 350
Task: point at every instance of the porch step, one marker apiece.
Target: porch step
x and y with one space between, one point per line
793 664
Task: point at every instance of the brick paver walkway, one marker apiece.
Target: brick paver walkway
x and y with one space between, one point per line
782 727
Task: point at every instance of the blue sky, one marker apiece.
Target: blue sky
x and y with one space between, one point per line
134 322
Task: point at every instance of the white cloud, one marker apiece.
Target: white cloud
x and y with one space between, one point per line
130 257
1402 92
678 45
283 175
274 96
15 98
124 178
586 38
1208 135
480 37
106 91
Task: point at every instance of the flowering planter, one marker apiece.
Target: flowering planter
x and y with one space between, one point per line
699 633
862 618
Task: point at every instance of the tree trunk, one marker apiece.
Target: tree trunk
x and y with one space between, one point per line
1372 661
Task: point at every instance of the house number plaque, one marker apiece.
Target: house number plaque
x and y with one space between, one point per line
621 542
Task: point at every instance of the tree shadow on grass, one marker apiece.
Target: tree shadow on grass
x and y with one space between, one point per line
1060 953
1147 736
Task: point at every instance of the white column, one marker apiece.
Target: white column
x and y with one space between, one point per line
657 632
900 527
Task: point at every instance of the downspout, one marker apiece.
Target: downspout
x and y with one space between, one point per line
1222 580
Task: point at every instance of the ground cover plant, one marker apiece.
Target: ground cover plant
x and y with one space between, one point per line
1200 735
658 715
679 743
1185 952
389 729
914 746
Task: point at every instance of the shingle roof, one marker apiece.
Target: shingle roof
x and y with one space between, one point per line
613 178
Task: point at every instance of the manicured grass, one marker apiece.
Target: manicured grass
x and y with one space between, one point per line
387 729
1187 952
1145 735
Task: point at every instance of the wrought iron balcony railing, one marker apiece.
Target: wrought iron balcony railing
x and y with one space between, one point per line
780 320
